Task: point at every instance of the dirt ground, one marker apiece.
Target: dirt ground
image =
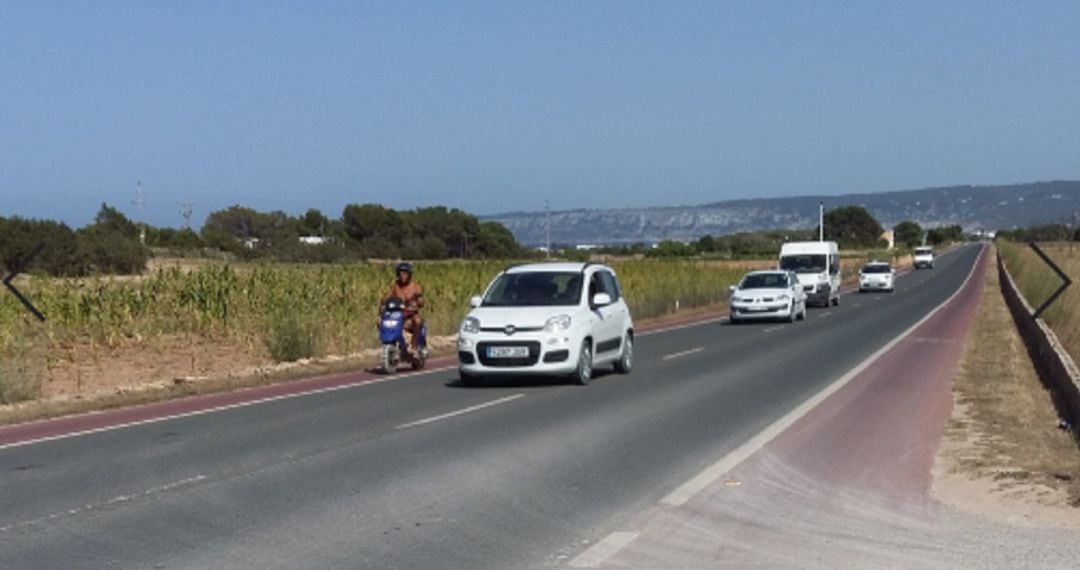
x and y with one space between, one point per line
1003 455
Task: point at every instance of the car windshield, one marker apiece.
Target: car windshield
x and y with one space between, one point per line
876 268
803 263
923 251
544 288
764 281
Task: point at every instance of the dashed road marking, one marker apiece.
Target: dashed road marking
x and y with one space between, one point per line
462 411
675 355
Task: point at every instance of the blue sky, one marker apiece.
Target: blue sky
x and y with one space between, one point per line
497 106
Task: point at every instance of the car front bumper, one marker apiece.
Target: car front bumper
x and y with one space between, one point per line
875 285
550 354
754 312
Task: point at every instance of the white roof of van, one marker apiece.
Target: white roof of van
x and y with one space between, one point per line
808 247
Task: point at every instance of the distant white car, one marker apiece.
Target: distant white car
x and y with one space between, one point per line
773 294
924 258
877 276
553 319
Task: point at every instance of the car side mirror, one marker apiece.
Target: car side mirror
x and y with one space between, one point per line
601 299
475 301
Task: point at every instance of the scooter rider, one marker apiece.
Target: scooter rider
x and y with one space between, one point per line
412 295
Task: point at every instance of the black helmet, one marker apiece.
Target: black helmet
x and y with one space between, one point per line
404 266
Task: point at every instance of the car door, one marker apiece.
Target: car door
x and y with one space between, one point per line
610 317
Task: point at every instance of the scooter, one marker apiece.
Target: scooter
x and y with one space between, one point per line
395 349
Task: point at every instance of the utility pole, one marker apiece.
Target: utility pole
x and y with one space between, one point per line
821 221
547 223
185 211
139 202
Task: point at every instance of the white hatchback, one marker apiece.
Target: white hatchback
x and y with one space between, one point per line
877 276
553 319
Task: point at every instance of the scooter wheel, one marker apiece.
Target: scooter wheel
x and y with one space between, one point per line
390 358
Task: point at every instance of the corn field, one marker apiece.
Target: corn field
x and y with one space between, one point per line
334 305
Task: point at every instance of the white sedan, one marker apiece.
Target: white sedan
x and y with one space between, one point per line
773 294
877 276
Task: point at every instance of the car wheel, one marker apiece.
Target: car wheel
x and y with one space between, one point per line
626 361
583 373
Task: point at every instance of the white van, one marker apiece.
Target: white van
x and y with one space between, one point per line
817 263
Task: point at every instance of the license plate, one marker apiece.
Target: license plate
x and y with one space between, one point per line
508 352
756 309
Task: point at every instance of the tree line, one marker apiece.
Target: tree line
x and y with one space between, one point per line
852 227
114 244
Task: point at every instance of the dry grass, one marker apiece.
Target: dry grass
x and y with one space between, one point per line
1006 429
1037 282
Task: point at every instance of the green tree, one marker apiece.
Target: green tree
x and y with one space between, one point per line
495 241
113 220
945 234
908 233
313 223
853 227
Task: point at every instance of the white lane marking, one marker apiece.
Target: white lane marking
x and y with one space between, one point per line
154 420
460 412
823 315
109 503
600 552
685 326
714 472
675 355
772 329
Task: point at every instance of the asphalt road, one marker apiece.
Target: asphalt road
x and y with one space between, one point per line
420 473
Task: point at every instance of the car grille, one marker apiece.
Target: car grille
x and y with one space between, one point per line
515 329
534 354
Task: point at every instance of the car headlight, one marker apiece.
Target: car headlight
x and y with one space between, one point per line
785 297
559 323
471 325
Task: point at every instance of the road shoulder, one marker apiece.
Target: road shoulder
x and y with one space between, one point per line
1002 456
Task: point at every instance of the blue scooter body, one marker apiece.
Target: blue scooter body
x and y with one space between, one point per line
392 329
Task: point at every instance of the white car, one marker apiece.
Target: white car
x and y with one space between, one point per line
924 257
773 294
552 319
877 276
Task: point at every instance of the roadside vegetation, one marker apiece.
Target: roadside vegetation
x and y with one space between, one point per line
1004 431
1037 282
286 311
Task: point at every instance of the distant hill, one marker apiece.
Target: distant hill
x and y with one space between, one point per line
973 207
